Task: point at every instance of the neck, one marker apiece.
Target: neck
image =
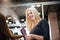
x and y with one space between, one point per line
36 20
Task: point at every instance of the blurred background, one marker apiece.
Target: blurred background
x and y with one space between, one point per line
14 11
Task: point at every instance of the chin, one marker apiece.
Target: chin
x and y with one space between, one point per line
32 19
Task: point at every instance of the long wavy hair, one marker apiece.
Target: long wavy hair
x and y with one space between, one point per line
3 23
30 23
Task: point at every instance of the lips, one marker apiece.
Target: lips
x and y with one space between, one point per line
31 16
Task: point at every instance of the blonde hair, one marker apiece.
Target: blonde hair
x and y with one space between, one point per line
30 23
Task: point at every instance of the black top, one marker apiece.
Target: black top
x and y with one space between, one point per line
3 35
42 28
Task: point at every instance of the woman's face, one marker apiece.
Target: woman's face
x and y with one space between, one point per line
30 15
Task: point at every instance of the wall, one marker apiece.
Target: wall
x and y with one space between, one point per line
52 17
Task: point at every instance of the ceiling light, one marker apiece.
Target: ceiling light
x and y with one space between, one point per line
37 5
32 5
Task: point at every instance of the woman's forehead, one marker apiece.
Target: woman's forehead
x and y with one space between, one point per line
28 11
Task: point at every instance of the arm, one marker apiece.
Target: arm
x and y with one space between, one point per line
37 37
14 36
45 29
34 37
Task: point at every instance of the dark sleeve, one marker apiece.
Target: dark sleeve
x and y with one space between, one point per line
45 28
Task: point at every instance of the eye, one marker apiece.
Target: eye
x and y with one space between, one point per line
30 12
27 14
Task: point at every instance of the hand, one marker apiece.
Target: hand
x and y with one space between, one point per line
33 36
29 37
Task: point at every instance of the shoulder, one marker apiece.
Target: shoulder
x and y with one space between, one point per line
44 21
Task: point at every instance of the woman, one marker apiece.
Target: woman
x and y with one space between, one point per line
5 34
38 27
